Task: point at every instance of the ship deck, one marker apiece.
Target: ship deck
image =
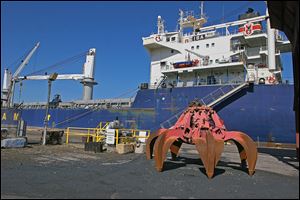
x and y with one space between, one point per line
71 172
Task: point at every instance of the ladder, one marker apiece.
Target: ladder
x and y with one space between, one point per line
210 100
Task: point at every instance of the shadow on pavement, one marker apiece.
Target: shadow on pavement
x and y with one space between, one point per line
184 161
286 156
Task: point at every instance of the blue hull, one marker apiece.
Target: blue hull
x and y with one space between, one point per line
261 111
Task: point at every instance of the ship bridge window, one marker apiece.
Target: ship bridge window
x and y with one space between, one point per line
173 38
197 47
168 39
210 61
212 44
217 61
192 47
207 45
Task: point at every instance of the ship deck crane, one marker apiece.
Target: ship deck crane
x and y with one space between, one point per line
10 80
86 78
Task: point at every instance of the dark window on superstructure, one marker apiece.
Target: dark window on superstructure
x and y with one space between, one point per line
212 44
217 61
207 45
197 46
168 39
210 61
173 38
172 51
192 47
162 64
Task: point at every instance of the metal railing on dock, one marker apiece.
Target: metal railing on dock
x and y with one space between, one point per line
100 134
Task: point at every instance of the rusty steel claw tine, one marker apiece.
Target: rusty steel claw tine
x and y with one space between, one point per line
249 151
194 127
210 150
168 142
242 153
150 143
161 147
158 148
175 149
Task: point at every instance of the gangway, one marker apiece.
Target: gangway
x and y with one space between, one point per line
221 94
210 100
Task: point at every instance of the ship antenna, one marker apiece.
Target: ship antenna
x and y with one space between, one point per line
180 22
223 16
201 9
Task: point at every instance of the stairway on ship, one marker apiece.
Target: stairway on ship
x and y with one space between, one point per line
211 100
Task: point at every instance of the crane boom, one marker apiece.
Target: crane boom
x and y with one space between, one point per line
46 77
25 61
11 89
86 78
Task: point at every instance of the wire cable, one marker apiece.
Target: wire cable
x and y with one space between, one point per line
231 13
127 92
59 64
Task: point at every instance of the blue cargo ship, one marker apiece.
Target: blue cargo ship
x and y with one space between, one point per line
238 72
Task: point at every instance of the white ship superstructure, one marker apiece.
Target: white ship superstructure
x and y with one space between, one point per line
246 50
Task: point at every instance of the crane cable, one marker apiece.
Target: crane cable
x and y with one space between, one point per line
231 13
78 116
127 92
59 64
14 65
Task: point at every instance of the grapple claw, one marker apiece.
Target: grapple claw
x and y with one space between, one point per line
150 142
247 148
162 145
200 126
175 149
210 150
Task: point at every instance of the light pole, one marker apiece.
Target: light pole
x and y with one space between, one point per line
52 77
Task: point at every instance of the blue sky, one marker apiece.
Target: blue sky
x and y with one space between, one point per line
115 29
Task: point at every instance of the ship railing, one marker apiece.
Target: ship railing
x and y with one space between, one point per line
172 120
216 94
219 82
100 135
204 101
169 68
280 36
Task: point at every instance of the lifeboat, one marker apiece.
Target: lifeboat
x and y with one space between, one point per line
186 64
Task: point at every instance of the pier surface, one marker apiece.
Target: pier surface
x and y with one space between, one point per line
67 171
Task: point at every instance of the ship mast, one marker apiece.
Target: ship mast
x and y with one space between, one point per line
160 25
201 9
180 22
188 20
270 44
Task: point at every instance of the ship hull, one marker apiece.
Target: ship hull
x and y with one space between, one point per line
264 112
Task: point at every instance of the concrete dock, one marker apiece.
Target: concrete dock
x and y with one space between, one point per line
67 171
